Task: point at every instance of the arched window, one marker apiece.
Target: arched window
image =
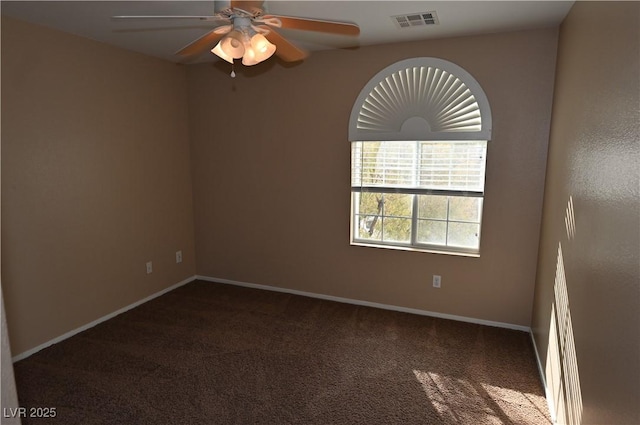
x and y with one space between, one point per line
418 133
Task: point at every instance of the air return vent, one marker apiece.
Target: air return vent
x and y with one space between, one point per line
415 19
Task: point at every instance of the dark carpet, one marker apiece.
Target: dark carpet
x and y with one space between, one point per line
210 353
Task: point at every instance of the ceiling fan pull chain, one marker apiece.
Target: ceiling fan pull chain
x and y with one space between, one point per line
233 72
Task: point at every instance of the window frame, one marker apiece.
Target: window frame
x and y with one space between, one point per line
420 99
415 192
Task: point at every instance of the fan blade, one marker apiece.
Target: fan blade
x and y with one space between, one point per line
249 6
206 42
284 49
199 18
306 24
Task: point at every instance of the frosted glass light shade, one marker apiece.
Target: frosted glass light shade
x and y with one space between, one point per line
262 47
220 53
249 57
257 50
233 45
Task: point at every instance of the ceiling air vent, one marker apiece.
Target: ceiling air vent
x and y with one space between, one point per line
416 19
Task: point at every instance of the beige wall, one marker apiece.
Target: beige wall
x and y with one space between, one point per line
8 393
594 158
271 165
95 180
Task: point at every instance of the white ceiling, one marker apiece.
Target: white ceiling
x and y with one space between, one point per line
162 38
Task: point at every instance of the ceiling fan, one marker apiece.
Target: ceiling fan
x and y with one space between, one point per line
244 31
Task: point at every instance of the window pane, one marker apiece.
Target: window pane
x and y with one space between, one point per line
390 164
432 232
363 164
369 227
430 206
452 165
397 204
370 203
397 162
368 209
396 230
464 235
456 165
465 208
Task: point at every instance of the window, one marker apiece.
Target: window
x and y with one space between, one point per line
418 194
418 154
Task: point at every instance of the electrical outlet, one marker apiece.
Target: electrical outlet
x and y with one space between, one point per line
436 281
178 256
149 267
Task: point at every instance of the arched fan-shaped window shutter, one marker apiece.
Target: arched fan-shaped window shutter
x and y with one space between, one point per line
418 133
421 99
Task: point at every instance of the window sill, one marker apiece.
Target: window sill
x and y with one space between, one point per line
414 249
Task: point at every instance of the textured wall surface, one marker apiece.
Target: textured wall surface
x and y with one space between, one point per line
9 397
271 166
95 180
594 161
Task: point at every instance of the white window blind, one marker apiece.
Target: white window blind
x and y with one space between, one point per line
420 166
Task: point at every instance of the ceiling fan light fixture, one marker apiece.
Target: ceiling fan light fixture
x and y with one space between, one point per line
262 48
240 31
233 44
250 57
220 53
238 45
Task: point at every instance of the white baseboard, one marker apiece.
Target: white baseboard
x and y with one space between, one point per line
543 378
368 304
69 334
